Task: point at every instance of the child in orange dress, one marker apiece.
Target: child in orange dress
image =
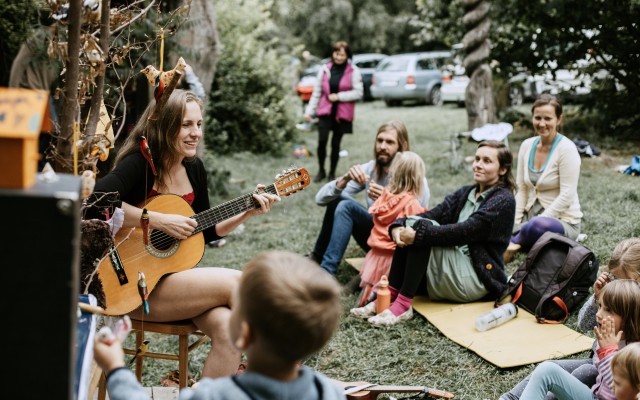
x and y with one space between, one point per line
399 199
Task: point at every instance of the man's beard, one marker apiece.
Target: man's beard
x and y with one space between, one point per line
384 162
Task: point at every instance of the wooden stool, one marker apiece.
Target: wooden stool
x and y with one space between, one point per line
181 328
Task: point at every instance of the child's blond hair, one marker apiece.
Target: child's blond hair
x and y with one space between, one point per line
626 363
626 258
406 174
290 303
622 297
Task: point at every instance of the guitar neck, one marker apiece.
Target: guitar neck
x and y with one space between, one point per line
207 219
441 394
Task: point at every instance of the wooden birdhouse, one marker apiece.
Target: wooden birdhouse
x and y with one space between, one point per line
24 114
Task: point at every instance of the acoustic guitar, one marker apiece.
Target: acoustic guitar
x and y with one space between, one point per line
370 391
118 270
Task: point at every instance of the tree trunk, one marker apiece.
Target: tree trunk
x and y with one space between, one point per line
200 36
64 142
481 107
479 99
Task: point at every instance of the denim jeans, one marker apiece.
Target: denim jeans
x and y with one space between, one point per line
550 377
349 218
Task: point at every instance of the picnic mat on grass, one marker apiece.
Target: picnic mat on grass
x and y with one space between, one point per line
519 341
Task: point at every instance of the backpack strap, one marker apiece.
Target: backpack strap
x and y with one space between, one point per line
518 276
560 304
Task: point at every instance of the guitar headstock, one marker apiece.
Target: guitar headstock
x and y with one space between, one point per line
292 180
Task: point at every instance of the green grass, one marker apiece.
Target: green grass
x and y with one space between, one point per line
413 353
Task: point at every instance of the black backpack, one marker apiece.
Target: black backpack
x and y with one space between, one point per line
554 279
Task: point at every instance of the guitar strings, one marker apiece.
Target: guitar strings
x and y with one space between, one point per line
222 212
205 219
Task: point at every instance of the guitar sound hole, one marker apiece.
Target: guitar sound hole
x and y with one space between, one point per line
161 241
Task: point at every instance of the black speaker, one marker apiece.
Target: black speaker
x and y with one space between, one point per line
40 228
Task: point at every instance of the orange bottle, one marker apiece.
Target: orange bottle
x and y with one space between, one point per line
383 297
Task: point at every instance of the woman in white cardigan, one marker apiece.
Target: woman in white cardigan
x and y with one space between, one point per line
547 180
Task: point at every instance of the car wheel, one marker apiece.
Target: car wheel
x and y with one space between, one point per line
392 103
516 96
435 97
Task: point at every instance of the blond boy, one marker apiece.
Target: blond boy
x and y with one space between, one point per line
284 310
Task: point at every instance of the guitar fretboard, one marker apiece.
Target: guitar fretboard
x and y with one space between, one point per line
207 219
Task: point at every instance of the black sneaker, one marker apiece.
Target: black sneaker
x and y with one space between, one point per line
320 177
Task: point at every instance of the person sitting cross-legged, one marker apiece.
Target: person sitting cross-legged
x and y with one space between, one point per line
344 215
454 250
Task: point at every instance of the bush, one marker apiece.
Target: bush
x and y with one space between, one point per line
251 106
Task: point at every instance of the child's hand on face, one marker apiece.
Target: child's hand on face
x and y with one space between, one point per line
606 333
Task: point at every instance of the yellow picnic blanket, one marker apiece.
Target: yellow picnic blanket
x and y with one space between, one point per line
519 341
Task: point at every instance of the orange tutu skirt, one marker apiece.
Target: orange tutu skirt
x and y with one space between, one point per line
376 263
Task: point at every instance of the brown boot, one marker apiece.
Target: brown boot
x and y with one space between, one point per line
511 252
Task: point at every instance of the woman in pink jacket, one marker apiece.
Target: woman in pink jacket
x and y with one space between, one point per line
338 87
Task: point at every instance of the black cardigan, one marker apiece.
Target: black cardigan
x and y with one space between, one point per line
133 179
487 232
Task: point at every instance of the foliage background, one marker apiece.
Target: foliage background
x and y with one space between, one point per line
251 106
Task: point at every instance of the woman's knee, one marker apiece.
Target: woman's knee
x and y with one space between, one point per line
214 322
539 225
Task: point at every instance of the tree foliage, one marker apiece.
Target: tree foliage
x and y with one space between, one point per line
367 25
16 21
600 37
250 106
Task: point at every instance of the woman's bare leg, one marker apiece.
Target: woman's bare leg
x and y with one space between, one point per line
203 295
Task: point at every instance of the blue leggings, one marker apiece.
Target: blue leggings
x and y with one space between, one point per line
550 377
536 227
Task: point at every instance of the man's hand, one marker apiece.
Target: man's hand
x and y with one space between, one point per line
333 97
355 173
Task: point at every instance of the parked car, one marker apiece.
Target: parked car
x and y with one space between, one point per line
454 83
568 83
454 88
308 78
410 76
366 63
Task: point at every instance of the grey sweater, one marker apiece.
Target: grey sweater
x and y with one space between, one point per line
122 385
330 191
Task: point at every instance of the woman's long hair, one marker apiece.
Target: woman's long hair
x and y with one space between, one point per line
161 133
402 138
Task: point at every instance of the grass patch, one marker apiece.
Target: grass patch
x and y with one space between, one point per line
414 353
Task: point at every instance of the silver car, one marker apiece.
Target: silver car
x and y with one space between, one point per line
410 76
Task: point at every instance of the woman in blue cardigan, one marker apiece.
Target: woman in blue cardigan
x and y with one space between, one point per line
458 245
